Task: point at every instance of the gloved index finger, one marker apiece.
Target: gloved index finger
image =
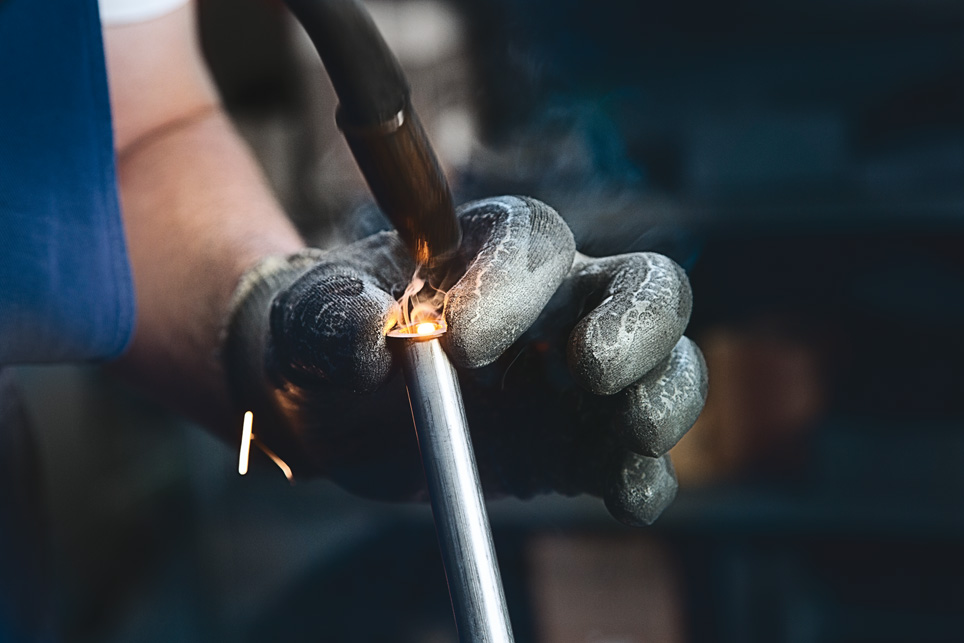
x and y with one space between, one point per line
645 305
517 251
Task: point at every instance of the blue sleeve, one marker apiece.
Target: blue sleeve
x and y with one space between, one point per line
65 282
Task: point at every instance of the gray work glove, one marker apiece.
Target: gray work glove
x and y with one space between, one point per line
575 374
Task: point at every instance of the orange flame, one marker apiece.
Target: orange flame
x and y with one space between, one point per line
420 310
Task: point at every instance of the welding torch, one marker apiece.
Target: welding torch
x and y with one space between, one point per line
384 133
391 148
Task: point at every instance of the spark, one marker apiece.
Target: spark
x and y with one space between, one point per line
246 437
278 461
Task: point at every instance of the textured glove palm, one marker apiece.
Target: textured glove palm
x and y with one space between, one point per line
575 373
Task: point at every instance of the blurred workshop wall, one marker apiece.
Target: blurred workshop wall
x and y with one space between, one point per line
595 587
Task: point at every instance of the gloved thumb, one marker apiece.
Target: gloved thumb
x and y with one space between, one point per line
329 326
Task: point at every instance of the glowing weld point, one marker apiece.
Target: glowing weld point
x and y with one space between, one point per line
426 328
245 442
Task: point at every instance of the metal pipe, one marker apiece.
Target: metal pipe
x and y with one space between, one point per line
461 521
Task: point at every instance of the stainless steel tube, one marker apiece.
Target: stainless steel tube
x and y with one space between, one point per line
461 521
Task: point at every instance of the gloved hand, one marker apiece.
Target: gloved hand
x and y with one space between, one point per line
575 374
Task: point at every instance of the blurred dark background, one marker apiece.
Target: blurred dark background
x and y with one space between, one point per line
803 160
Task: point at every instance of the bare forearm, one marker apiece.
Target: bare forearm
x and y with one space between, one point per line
197 211
197 214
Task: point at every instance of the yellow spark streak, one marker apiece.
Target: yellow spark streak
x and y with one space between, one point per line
245 442
278 461
247 437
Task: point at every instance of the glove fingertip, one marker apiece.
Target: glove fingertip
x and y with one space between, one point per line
645 308
656 412
640 488
590 372
521 250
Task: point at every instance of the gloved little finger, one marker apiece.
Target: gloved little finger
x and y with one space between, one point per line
655 412
639 488
517 251
645 305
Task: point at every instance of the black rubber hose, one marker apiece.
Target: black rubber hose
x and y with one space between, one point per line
365 73
381 128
